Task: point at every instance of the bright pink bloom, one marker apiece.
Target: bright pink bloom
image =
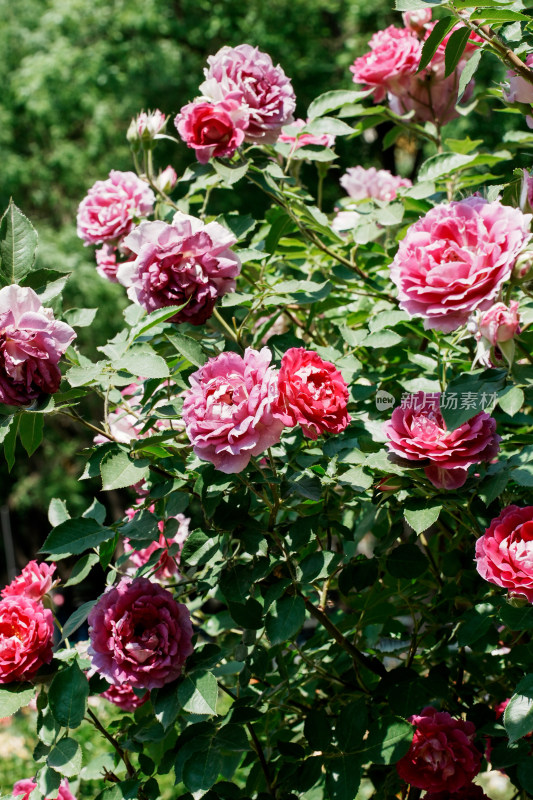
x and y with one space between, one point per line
111 207
212 129
229 409
372 183
442 756
504 554
34 581
246 73
499 708
418 432
31 344
106 262
185 262
166 180
417 20
26 630
26 786
394 56
139 635
123 696
500 323
519 90
291 135
312 394
455 259
167 566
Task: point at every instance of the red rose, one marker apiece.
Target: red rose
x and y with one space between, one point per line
26 630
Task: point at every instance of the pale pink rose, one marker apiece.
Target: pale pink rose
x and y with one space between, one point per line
34 581
139 635
291 135
187 262
504 554
167 565
526 191
500 323
166 180
312 394
112 207
418 432
228 411
372 183
212 129
417 20
22 790
26 630
455 259
146 125
394 56
123 696
519 90
263 88
31 345
442 756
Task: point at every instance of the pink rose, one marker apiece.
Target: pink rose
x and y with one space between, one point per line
31 344
247 73
312 394
212 129
111 207
372 183
123 696
418 432
291 135
394 56
139 635
167 565
504 554
185 262
417 20
26 786
34 581
166 180
106 262
442 756
146 125
500 323
519 90
229 409
455 259
26 630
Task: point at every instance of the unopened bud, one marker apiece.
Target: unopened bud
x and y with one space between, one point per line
166 180
145 126
523 265
517 600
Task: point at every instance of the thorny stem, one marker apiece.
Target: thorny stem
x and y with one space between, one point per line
122 753
88 425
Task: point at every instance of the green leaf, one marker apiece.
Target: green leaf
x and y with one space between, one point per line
198 693
512 400
119 471
517 619
188 347
80 317
331 125
331 101
382 339
443 164
198 549
31 431
81 569
77 618
468 72
10 440
48 781
420 519
442 27
74 536
166 704
5 425
492 15
143 362
470 393
343 777
351 725
518 716
66 757
201 771
475 623
388 740
57 512
230 174
285 619
156 317
18 243
455 48
14 697
68 695
407 561
317 729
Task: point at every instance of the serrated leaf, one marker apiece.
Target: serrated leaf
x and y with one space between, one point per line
10 441
76 619
188 347
31 431
57 512
81 569
285 619
512 401
14 697
420 519
468 72
492 15
201 771
143 362
66 757
407 561
74 536
455 49
154 318
80 317
18 243
198 693
118 471
518 715
331 101
442 27
68 695
343 777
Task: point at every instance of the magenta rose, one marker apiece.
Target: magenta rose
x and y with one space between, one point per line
312 394
139 635
417 432
394 56
123 696
504 554
185 262
372 183
34 581
500 323
22 790
442 756
229 409
167 564
212 129
112 207
31 344
266 92
292 135
26 630
455 259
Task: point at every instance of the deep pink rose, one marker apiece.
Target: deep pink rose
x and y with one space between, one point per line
26 786
417 431
372 183
106 262
442 756
111 207
123 696
291 135
417 20
212 129
504 554
229 409
500 323
34 581
394 56
470 792
455 259
166 180
264 89
146 125
26 630
519 90
31 344
167 565
312 394
185 262
139 635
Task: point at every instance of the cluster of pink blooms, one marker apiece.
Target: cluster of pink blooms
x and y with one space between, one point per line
390 70
22 790
237 407
167 565
244 98
31 345
365 184
294 136
518 90
26 626
146 125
